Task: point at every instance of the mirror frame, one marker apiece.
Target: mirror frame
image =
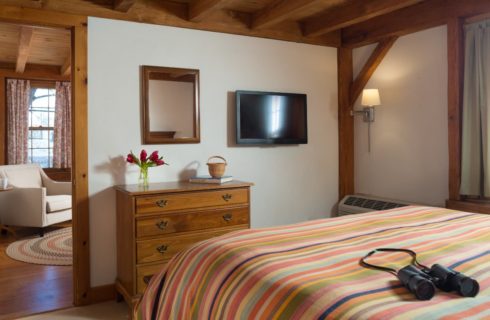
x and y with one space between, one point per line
162 137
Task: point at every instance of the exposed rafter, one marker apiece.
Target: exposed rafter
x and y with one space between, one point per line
123 5
351 13
371 65
427 14
65 69
279 11
199 9
25 40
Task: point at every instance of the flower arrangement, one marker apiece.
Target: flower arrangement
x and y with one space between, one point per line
144 162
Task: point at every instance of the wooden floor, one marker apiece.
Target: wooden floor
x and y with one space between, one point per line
29 288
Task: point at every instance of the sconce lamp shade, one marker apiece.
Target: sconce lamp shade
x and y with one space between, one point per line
370 97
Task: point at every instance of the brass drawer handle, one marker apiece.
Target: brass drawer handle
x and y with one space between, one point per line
227 217
227 197
146 279
162 249
161 203
162 224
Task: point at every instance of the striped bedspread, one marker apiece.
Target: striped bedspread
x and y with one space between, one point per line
311 270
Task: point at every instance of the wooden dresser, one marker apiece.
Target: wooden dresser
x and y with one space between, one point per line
155 223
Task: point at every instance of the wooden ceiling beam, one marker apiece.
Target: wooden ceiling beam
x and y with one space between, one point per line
350 14
25 40
371 65
123 5
174 14
199 9
279 11
427 14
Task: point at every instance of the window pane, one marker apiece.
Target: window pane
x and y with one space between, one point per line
51 119
52 98
40 103
36 118
36 134
41 114
41 143
41 92
41 157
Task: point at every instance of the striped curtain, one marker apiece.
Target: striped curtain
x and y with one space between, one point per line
18 93
62 126
475 166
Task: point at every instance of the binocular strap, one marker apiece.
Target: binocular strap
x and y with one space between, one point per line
390 270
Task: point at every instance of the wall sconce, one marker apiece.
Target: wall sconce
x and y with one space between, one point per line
370 99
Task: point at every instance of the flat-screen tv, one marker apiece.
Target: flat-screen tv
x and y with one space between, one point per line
271 118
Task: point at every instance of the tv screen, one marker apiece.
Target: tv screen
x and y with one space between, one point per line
271 118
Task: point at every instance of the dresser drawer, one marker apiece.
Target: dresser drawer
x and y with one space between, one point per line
163 248
146 271
191 200
190 221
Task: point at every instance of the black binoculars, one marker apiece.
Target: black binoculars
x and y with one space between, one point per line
422 281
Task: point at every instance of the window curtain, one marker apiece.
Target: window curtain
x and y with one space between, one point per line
475 166
62 126
18 93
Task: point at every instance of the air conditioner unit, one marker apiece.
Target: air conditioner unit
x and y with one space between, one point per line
359 203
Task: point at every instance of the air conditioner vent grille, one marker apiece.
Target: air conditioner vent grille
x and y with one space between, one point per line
372 203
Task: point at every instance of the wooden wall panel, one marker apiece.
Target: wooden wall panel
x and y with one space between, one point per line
346 122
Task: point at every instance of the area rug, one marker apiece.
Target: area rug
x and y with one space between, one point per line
55 248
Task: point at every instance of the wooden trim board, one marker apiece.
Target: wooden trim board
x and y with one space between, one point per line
102 293
455 46
78 26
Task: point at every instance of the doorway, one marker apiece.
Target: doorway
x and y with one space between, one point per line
79 287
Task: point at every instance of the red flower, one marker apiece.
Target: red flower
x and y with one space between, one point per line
130 158
159 162
154 156
143 155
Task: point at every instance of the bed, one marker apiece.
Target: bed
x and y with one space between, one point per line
311 270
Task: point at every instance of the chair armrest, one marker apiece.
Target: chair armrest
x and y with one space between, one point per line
55 187
23 207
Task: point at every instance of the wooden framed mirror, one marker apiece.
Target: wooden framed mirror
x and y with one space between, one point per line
170 105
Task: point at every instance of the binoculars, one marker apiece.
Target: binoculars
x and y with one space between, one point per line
422 282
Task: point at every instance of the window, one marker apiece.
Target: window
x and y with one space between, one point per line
41 126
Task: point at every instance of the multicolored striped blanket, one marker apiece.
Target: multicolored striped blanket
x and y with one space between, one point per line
311 270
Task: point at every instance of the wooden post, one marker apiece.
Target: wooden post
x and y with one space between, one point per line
81 260
455 51
346 122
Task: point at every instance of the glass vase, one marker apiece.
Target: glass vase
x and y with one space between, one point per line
143 179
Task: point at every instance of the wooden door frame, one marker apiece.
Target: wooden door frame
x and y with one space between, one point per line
80 209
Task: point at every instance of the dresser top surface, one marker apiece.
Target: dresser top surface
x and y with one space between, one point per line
178 186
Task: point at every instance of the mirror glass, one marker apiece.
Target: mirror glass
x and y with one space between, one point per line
170 105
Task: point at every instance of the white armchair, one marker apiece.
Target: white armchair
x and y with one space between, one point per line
35 200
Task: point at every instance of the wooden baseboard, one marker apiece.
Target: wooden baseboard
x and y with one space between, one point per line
102 293
470 206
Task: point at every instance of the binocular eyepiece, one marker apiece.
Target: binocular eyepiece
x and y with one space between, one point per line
421 281
417 282
447 280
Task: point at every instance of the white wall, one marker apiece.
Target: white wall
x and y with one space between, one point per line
292 183
409 156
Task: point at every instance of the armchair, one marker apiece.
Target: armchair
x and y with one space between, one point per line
35 200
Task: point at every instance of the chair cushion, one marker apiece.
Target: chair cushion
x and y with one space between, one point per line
23 175
58 203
